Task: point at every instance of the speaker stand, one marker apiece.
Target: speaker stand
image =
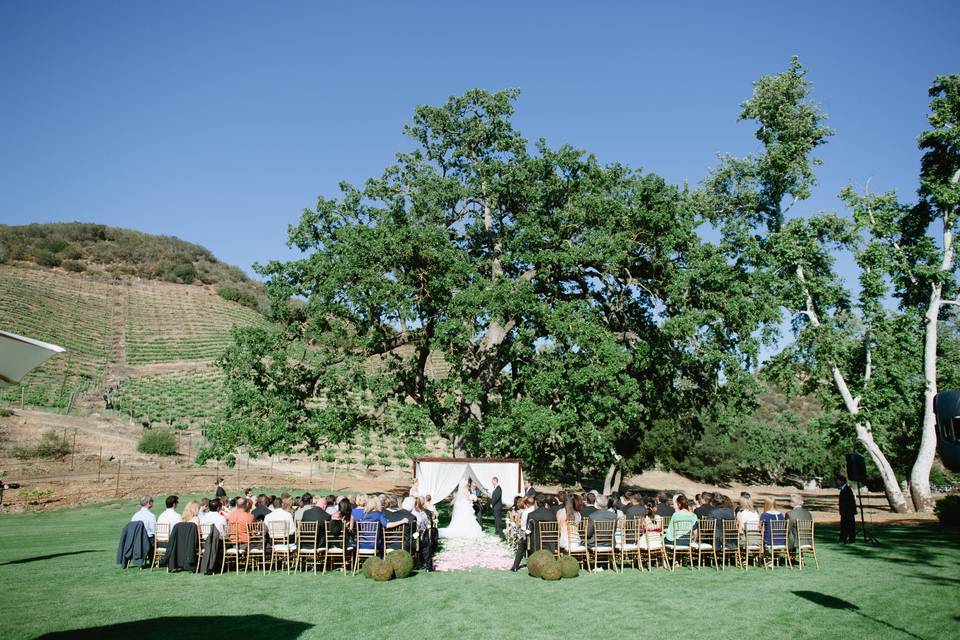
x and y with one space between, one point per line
867 536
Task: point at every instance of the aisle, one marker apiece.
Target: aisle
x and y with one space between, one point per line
487 552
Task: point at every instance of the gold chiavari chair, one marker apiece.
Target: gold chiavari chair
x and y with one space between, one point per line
805 542
203 532
161 536
367 542
337 548
576 540
652 546
234 547
548 536
729 542
307 550
395 538
280 546
751 543
628 543
603 543
256 547
680 538
706 542
775 543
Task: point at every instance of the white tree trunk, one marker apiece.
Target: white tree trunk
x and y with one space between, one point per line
611 482
920 474
863 428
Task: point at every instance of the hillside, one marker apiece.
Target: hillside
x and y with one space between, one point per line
96 249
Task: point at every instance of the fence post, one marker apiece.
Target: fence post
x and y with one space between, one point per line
73 451
117 490
99 463
333 481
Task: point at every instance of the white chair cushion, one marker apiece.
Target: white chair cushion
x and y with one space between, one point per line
284 548
628 547
602 548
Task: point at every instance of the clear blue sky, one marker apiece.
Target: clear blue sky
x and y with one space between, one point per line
218 122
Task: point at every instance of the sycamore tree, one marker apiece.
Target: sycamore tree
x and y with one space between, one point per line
517 299
914 247
836 336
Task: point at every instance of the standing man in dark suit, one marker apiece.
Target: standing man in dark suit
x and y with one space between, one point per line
848 512
530 492
496 503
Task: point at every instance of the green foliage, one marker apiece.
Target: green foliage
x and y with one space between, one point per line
241 296
569 567
46 259
537 561
369 564
34 496
947 510
183 272
161 442
51 445
401 561
73 265
551 570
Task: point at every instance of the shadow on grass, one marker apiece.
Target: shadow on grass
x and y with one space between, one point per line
928 545
833 602
50 556
247 627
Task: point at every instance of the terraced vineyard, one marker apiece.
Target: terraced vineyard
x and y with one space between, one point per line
185 398
72 311
168 322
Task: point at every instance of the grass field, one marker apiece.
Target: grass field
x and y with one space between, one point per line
58 577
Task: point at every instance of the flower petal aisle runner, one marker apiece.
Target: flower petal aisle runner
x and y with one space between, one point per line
486 552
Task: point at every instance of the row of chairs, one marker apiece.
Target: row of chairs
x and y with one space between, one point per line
267 547
628 542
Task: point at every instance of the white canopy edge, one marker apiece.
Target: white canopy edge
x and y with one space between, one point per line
19 355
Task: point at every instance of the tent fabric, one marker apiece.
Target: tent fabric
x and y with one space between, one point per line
440 478
19 355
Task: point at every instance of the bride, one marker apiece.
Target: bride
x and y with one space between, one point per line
463 522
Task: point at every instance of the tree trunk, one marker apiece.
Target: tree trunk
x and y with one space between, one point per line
890 484
920 474
611 482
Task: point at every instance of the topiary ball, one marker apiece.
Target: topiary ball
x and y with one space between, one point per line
369 564
382 571
569 567
551 570
536 561
401 561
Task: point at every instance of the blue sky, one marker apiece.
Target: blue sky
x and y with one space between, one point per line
219 122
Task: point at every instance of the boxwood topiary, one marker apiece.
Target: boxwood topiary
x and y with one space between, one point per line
948 510
551 570
382 571
401 561
536 561
369 564
569 567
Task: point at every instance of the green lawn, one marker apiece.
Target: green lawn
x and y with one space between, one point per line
57 576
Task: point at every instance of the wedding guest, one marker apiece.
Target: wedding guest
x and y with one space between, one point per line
529 491
705 506
568 519
204 506
238 519
260 511
744 495
635 510
663 505
342 522
191 513
145 515
747 517
332 503
360 508
796 513
722 510
281 513
679 521
214 517
559 501
769 513
372 512
543 513
527 506
220 492
318 513
248 494
591 501
170 516
603 513
306 502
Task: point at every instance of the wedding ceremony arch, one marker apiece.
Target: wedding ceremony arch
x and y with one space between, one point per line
439 477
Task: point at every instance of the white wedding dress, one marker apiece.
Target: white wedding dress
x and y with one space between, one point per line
463 522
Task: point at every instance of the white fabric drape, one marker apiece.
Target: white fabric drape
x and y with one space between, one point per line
439 479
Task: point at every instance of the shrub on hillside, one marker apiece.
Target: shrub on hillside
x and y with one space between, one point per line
74 265
52 245
46 258
948 510
51 445
71 253
161 442
234 294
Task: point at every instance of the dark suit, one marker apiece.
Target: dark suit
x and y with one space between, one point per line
321 517
703 511
531 492
396 515
496 503
795 514
848 515
599 514
532 540
587 510
634 512
664 509
260 513
720 514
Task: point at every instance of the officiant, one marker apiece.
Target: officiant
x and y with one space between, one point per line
475 497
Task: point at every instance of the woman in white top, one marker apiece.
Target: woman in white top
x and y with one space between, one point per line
568 519
747 517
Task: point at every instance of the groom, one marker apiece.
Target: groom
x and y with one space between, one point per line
496 503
